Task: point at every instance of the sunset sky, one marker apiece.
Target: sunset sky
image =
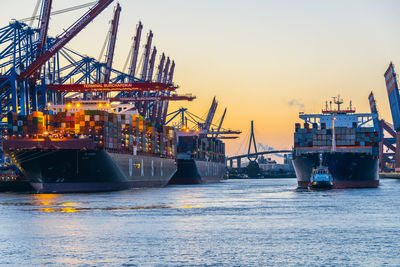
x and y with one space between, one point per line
263 60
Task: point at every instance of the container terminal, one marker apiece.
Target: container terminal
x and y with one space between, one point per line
64 112
71 123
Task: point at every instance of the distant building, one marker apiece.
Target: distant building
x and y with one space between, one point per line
267 164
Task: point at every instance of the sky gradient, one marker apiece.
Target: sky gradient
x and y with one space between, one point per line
263 60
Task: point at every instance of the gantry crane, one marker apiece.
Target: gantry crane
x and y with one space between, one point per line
64 38
135 52
29 56
31 71
394 101
200 124
387 143
30 85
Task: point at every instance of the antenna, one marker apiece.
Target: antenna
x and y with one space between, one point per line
338 101
333 135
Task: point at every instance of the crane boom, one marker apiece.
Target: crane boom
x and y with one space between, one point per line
43 30
156 106
111 44
220 122
160 68
147 49
44 25
165 75
149 78
69 34
147 55
374 110
152 63
169 81
210 115
135 52
393 94
160 110
171 73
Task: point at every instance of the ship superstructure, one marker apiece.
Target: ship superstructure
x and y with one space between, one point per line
348 142
200 159
200 149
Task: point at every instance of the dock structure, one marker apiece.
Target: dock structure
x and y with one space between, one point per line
38 71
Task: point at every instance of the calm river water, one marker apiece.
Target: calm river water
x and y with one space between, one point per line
232 223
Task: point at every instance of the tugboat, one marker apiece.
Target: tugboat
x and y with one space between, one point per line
320 178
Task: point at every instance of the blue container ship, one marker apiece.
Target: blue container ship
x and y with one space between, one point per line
347 142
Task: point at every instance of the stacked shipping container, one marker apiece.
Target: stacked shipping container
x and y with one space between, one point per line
202 148
322 137
121 133
25 124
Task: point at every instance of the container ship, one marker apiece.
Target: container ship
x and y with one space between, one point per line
200 159
346 142
90 146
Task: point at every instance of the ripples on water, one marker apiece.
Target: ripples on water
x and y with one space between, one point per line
236 222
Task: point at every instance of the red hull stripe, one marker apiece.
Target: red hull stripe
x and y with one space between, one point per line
328 147
346 184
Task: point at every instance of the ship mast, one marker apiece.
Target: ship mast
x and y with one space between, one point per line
338 102
333 134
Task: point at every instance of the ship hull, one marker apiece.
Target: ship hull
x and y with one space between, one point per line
75 170
191 171
16 186
348 170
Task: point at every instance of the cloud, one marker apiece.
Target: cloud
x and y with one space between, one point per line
296 103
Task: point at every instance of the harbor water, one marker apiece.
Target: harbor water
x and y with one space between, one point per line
233 223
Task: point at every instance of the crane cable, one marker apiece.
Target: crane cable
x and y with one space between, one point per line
104 47
244 140
35 12
58 11
128 59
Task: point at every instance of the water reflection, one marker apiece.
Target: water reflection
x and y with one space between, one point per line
239 223
52 204
80 209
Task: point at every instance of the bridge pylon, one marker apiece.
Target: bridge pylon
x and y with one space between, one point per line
252 141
